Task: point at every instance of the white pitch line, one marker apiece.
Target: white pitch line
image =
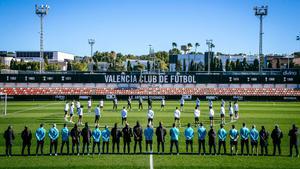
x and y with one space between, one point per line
34 108
151 161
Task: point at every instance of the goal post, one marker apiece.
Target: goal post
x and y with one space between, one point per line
3 103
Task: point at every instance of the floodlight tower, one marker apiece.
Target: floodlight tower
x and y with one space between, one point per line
41 11
210 45
91 42
260 12
152 57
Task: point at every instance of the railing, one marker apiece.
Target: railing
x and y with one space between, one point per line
264 72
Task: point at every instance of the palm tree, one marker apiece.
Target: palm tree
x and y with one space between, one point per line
189 46
174 45
184 48
196 46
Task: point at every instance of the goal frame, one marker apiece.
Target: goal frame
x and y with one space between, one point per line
5 102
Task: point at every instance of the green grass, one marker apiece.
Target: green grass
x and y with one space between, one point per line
259 113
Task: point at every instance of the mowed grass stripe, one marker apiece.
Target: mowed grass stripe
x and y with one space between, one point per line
259 113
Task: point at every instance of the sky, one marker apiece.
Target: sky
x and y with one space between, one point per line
129 26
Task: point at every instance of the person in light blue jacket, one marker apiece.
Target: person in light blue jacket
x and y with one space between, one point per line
234 135
189 136
40 137
53 135
201 138
96 137
254 135
148 132
222 138
244 133
174 133
105 138
65 138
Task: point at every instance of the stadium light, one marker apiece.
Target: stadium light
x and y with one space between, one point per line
41 11
151 57
91 43
260 12
210 45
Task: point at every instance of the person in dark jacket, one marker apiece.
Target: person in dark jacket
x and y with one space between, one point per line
161 133
138 136
86 134
116 135
9 136
212 139
127 134
75 135
149 103
26 136
293 133
276 136
264 135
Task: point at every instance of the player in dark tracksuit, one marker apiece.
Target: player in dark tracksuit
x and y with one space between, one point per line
140 103
116 135
86 138
161 133
264 135
127 134
9 136
26 137
212 139
276 136
75 135
138 136
293 133
129 103
149 103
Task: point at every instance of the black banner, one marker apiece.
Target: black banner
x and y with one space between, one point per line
286 76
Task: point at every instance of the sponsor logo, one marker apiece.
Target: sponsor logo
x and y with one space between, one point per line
289 73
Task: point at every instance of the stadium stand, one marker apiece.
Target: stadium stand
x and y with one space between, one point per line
153 91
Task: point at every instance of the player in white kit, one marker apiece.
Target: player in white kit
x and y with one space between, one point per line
181 103
101 103
236 110
211 116
230 111
222 114
89 105
197 115
150 116
80 115
72 112
177 116
66 110
162 104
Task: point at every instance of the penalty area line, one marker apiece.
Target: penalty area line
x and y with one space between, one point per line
34 108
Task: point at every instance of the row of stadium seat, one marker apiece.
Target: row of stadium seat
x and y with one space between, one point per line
154 91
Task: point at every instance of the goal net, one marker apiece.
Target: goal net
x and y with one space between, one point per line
3 103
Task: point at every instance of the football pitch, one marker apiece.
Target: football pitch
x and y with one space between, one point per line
32 113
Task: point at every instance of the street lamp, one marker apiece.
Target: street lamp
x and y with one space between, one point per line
41 11
260 12
210 45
